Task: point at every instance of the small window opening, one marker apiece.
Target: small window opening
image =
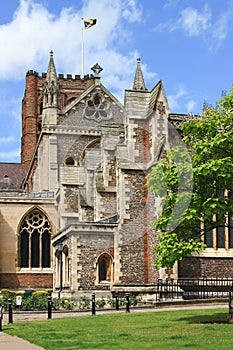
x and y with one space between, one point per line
97 101
70 161
41 108
6 179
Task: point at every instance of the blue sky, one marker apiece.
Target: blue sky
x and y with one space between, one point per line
186 43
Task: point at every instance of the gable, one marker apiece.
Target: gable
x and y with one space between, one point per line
158 98
95 107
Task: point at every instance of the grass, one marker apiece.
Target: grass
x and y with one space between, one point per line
166 330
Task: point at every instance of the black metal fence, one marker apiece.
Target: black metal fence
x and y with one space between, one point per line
186 289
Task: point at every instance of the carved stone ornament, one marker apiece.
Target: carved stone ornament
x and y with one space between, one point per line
97 109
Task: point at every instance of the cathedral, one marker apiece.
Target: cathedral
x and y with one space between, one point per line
76 214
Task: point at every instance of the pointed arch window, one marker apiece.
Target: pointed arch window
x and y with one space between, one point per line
35 241
62 267
105 268
66 265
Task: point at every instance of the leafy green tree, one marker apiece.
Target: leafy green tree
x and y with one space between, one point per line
195 183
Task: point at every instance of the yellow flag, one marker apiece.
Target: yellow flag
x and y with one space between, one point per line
89 22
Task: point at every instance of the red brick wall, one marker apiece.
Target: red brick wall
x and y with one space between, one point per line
26 281
194 267
29 118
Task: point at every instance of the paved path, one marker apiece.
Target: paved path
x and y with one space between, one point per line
8 342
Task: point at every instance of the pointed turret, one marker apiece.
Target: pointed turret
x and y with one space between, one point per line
51 85
51 72
50 94
139 83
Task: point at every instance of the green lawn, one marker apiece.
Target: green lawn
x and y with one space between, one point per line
166 330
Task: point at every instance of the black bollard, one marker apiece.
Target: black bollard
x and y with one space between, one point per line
127 302
230 315
1 316
117 302
49 307
93 304
10 314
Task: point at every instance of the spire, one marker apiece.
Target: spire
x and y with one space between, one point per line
51 86
139 83
51 72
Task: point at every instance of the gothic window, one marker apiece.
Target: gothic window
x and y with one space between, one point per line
105 268
97 108
209 239
218 232
58 267
35 241
62 258
66 265
220 236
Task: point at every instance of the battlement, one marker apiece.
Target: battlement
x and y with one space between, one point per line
32 72
67 76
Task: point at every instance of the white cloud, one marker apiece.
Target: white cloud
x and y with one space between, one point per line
222 25
181 101
190 106
174 100
203 23
171 3
195 22
34 31
7 139
10 156
168 26
132 11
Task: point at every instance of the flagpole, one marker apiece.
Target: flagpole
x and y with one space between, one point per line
87 23
82 49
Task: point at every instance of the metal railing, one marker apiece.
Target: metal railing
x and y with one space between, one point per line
205 288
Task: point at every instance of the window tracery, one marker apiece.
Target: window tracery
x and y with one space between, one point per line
97 108
35 241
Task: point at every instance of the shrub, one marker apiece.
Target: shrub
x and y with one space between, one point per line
37 300
7 294
34 302
111 302
83 303
68 304
133 300
100 302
